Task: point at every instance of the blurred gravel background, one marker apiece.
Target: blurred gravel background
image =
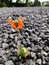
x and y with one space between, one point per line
34 36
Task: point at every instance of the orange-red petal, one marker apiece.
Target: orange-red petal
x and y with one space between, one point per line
20 25
20 19
12 23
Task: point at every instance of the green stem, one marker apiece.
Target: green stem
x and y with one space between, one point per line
18 36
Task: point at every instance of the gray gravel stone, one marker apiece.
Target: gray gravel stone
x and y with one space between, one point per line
4 57
1 61
44 53
39 61
2 52
44 62
5 45
1 64
13 30
46 48
11 36
30 62
6 35
16 38
9 63
33 55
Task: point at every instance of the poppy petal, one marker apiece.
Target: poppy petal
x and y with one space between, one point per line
20 19
20 25
12 23
16 23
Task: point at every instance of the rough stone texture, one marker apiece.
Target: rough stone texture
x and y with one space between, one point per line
9 63
34 36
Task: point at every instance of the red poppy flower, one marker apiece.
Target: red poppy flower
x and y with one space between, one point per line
16 23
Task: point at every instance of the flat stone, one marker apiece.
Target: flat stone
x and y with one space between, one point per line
5 45
13 30
4 57
39 61
1 64
44 53
9 62
33 54
29 62
11 36
6 35
46 48
1 61
44 62
2 52
5 40
16 39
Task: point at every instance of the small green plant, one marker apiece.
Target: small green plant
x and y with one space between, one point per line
23 52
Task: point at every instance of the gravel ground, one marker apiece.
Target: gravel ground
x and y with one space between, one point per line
34 36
